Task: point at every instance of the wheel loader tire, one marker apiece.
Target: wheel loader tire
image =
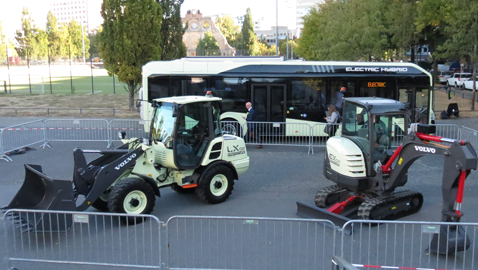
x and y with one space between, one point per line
101 204
216 185
131 196
182 190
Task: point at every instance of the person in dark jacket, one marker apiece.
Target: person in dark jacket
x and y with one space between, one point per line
251 127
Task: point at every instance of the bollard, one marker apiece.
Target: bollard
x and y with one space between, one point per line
5 86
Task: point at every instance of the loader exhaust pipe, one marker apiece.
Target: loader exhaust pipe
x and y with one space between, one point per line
41 192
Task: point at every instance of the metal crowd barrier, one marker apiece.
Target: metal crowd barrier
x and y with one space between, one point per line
76 130
249 243
91 239
470 135
407 245
255 133
133 128
20 136
207 242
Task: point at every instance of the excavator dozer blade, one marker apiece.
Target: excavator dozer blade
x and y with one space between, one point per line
308 211
40 192
451 239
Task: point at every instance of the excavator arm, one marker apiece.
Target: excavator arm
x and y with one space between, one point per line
459 159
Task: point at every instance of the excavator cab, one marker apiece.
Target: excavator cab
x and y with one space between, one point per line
376 126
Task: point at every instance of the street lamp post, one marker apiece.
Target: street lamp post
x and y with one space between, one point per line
49 68
277 27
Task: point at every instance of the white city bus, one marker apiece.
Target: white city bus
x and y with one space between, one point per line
286 91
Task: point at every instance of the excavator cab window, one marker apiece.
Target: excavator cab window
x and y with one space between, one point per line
162 126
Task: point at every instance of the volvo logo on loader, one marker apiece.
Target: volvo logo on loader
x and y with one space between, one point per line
425 149
126 161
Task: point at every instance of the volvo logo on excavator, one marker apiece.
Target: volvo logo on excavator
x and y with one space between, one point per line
126 161
334 160
425 149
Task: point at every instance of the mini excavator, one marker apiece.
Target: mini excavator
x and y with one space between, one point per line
370 160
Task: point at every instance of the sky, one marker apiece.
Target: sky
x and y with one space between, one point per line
11 11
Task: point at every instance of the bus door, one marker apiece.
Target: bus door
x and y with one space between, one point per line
269 102
417 97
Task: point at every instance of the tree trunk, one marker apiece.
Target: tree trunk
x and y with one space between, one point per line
474 87
131 88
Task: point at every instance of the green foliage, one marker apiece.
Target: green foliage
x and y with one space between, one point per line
131 38
283 48
172 30
3 43
26 36
230 31
262 49
77 36
94 51
53 34
208 46
249 38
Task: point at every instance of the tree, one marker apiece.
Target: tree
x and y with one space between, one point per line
26 36
248 36
77 36
401 16
3 45
262 49
65 41
208 46
172 30
430 24
463 35
283 48
131 38
94 51
53 35
230 31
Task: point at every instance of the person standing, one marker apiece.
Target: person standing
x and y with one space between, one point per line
339 100
251 129
332 120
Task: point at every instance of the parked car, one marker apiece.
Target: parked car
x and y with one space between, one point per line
469 84
457 79
445 75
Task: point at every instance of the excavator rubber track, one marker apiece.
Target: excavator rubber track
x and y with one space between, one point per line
397 205
323 197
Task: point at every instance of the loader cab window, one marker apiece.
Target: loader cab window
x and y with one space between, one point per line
216 119
192 129
162 126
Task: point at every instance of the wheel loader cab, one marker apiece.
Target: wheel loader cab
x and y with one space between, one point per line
186 128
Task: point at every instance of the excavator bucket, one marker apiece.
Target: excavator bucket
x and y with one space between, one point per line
40 192
451 239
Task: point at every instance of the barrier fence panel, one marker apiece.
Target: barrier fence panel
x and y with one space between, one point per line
20 136
249 243
76 130
277 133
409 245
232 128
470 135
85 238
447 131
134 128
320 134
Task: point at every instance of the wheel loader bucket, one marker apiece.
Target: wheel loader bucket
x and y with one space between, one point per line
40 192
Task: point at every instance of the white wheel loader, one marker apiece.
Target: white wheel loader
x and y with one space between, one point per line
186 150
